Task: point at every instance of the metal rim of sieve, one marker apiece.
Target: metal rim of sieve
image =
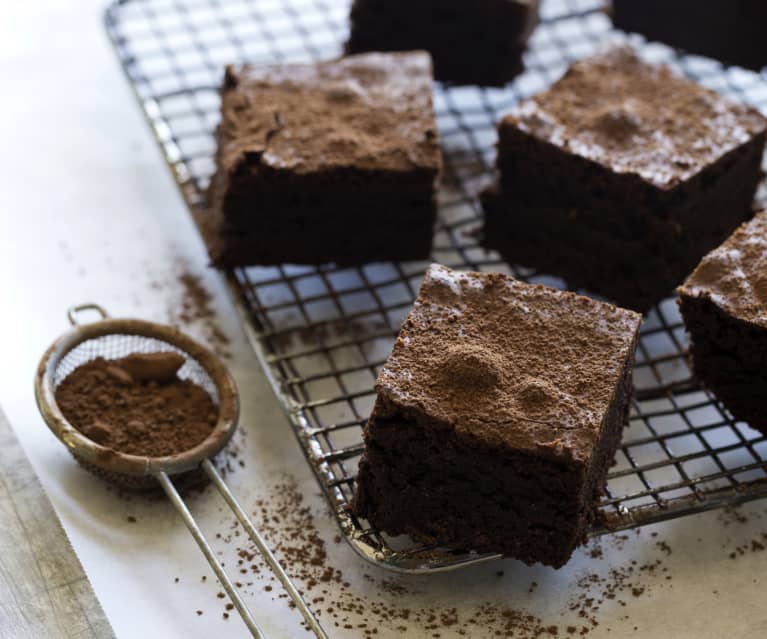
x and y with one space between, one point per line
114 461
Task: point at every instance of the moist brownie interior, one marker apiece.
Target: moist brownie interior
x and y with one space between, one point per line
728 30
472 42
497 415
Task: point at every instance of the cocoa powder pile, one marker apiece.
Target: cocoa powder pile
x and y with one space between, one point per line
137 404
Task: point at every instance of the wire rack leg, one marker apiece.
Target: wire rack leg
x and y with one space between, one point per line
257 539
199 537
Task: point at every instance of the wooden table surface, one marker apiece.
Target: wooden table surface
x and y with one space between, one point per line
44 593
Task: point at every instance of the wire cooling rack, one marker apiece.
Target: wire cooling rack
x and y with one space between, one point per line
322 333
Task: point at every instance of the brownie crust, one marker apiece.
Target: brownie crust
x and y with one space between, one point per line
492 439
724 307
471 42
621 176
319 162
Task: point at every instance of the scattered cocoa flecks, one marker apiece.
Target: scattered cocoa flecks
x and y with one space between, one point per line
199 612
175 580
131 519
731 515
755 545
196 307
190 307
393 587
289 527
664 547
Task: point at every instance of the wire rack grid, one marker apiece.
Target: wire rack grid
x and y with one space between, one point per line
322 333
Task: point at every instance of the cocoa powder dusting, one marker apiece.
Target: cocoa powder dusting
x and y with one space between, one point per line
196 307
137 404
290 529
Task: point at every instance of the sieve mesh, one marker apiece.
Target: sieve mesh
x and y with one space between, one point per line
119 345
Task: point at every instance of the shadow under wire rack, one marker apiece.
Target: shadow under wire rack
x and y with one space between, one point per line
322 333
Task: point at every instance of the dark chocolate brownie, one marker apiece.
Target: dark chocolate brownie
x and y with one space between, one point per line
472 42
724 306
621 176
327 162
729 30
497 415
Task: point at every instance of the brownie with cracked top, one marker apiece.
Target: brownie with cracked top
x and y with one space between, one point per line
325 162
497 415
724 306
472 42
621 176
728 30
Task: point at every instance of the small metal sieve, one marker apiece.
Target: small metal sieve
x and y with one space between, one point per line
115 338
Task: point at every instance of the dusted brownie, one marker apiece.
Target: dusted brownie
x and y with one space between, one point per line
729 30
471 42
326 162
621 176
497 415
724 306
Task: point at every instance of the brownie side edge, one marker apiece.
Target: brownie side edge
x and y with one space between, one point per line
729 356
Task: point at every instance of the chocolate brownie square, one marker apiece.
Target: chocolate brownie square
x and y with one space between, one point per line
728 30
333 161
621 176
472 42
724 306
497 415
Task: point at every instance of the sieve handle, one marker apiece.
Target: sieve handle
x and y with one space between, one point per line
266 553
199 537
72 312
